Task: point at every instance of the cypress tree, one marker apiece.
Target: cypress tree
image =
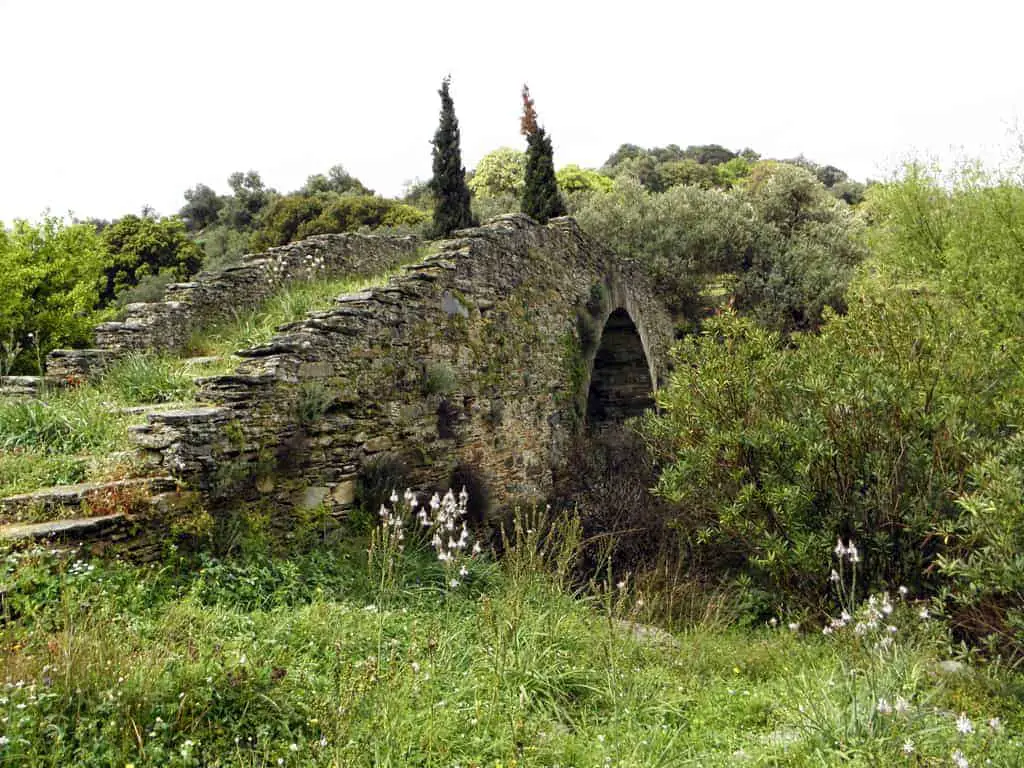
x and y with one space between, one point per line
451 208
541 198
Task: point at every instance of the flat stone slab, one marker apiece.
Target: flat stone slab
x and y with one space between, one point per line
187 415
47 501
20 386
135 410
75 528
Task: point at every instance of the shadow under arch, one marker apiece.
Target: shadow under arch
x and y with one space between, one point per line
620 379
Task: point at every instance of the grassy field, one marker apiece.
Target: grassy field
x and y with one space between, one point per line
337 658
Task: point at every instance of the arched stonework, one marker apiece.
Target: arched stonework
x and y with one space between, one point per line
620 383
475 357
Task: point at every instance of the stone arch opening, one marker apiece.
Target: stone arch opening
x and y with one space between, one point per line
620 381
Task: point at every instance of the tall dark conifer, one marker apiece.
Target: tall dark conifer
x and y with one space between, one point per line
541 198
451 208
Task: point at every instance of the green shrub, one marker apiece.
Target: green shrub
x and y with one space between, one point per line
311 403
144 246
883 427
295 217
50 277
439 378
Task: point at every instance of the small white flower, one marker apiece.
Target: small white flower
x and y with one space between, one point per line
964 724
924 613
463 571
959 760
600 737
793 626
903 591
851 551
453 583
908 747
884 707
834 576
840 550
995 724
323 741
293 747
4 741
902 705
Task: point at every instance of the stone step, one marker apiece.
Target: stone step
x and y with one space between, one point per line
136 410
58 501
202 360
20 386
72 366
74 529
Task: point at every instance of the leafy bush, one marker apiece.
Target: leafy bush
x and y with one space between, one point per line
884 426
140 246
499 174
50 277
295 217
684 235
806 248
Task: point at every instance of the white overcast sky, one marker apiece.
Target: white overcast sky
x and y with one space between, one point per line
109 105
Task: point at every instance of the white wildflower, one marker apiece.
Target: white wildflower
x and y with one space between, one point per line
959 760
884 707
964 724
908 747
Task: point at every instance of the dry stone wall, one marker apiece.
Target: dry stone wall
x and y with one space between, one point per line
476 357
165 326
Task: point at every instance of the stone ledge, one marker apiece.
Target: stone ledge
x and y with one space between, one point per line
49 500
75 528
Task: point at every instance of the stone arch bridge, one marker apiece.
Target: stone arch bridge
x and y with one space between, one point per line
490 354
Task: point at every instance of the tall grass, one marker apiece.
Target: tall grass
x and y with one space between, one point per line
293 302
310 661
73 435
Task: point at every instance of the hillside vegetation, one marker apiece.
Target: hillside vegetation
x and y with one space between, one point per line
810 554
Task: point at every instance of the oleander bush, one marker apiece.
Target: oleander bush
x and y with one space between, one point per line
895 424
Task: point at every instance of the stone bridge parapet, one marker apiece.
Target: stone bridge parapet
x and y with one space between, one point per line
478 358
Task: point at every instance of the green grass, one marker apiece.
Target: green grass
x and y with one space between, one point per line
315 660
74 435
77 435
257 326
